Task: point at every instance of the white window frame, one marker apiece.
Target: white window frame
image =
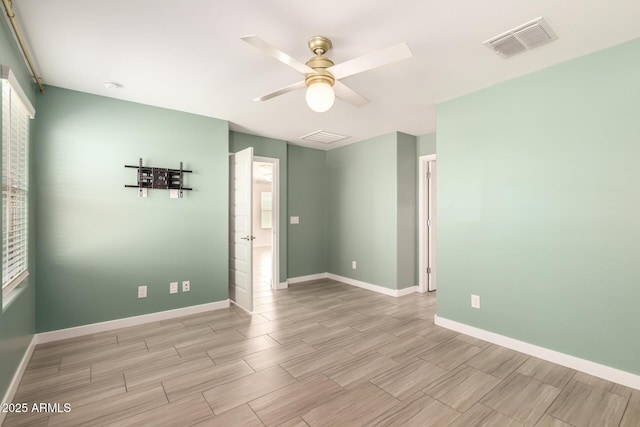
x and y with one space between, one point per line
16 112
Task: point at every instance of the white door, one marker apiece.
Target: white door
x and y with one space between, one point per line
431 225
240 228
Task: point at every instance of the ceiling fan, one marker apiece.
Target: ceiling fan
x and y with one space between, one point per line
322 75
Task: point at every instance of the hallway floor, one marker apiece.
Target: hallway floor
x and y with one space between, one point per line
262 256
320 353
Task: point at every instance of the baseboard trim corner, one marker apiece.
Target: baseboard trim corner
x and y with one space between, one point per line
307 278
407 291
93 328
17 376
371 287
588 367
282 285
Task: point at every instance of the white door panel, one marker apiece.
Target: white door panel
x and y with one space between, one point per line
240 228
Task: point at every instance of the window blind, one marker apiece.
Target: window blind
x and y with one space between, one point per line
15 186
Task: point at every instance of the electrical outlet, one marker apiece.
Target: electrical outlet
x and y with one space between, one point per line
475 301
353 265
173 287
142 291
186 286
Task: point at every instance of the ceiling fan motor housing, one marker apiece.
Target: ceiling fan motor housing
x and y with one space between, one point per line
319 45
319 65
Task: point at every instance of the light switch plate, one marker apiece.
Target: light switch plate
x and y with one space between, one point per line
174 194
142 291
475 301
173 287
295 220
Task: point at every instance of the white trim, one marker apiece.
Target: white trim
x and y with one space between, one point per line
422 219
592 368
94 328
354 282
275 213
283 285
7 74
14 283
301 279
407 291
17 376
372 287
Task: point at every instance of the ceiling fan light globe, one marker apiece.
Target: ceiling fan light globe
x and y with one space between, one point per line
320 97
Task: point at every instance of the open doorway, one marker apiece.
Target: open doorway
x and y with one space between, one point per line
253 227
266 225
262 227
427 223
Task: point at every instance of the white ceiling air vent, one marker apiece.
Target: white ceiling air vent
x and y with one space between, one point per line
528 36
324 137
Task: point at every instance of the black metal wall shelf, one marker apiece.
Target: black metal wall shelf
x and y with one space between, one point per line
159 178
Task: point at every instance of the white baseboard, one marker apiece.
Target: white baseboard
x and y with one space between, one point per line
354 282
592 368
407 291
282 285
94 328
17 376
300 279
374 288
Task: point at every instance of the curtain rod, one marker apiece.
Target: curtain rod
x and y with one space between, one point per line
18 34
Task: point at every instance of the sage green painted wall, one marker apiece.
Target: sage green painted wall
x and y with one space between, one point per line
407 210
362 190
17 316
538 207
274 148
426 144
307 199
98 241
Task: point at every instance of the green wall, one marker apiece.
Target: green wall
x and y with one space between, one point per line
369 200
17 316
307 191
538 207
426 144
277 149
407 205
98 241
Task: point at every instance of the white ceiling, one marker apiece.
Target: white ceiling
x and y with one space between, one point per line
187 55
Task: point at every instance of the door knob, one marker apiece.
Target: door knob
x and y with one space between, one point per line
248 238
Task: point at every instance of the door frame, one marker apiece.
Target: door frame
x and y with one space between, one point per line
275 221
423 216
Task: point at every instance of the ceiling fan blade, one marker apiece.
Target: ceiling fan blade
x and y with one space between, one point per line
349 95
276 53
279 92
371 60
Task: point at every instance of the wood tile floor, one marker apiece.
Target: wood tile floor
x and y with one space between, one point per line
321 354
